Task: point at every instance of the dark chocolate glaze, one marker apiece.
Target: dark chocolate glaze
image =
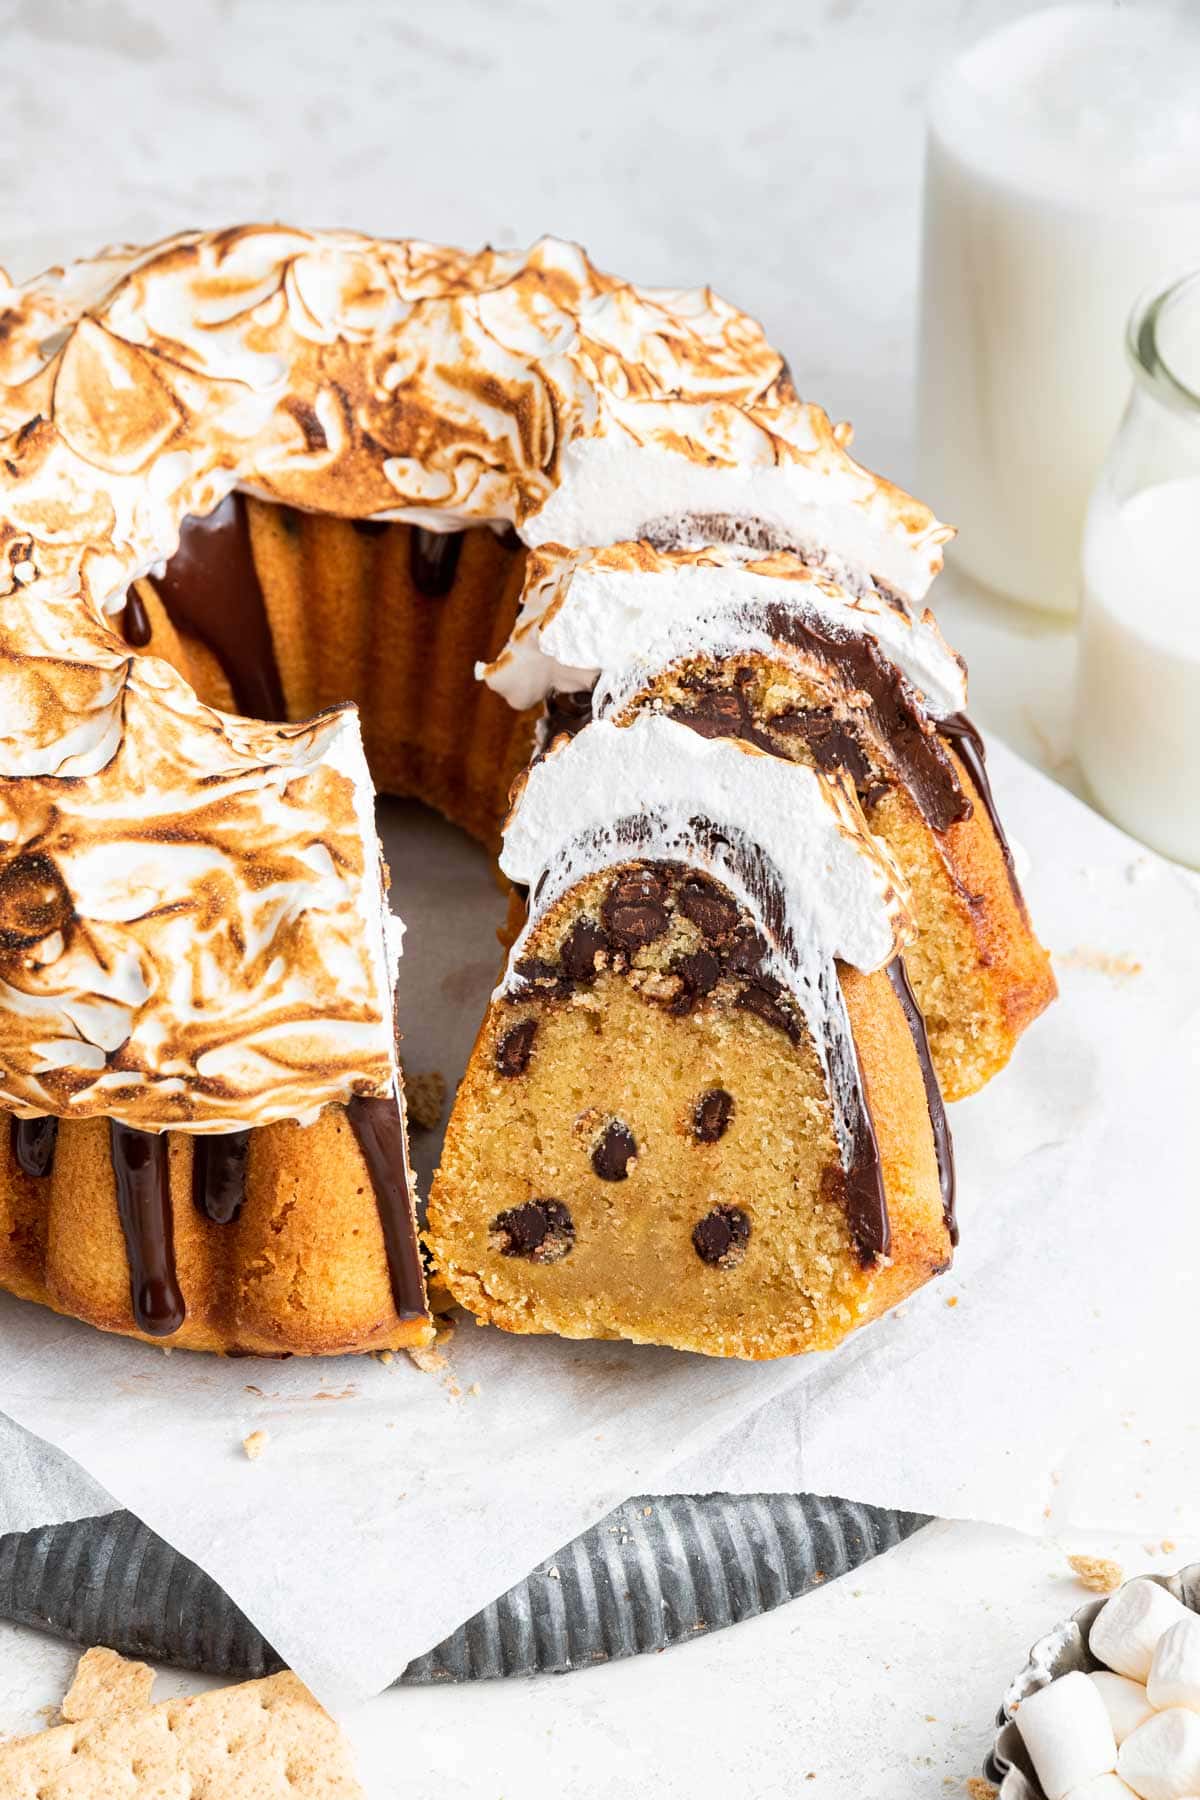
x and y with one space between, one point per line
135 621
942 1141
865 1194
211 589
380 1132
139 1160
433 560
33 1142
219 1175
967 745
921 760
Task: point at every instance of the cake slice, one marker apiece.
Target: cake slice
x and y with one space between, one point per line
809 660
697 1112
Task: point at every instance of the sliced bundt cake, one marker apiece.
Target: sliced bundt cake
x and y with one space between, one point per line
698 1112
802 656
253 476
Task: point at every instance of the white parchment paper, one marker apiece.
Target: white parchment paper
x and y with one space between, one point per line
1021 1388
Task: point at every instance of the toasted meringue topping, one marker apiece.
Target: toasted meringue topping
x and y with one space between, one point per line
190 915
613 615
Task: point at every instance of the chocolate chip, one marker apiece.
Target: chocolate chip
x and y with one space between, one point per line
833 745
721 1237
761 1000
546 975
543 1231
700 972
34 901
613 1152
747 954
516 1047
711 911
711 1115
634 908
585 942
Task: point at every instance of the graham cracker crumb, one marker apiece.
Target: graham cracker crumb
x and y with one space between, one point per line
104 1683
255 1444
1098 1574
425 1098
268 1734
979 1789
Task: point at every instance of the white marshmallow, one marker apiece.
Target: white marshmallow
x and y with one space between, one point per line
1103 1787
1128 1626
1175 1672
1066 1731
1161 1760
1127 1702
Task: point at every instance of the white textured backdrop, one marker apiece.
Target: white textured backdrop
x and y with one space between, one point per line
772 149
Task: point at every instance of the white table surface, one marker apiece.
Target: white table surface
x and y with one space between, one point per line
774 150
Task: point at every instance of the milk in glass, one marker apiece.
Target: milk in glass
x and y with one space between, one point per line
1062 181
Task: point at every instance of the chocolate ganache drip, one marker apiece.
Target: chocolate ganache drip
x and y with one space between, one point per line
433 560
211 589
219 1175
135 621
942 1142
139 1160
865 1194
33 1142
967 744
380 1132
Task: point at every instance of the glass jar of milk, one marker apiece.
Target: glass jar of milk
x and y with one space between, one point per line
1138 698
1062 181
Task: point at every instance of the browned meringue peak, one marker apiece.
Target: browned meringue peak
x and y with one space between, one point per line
239 980
361 377
192 935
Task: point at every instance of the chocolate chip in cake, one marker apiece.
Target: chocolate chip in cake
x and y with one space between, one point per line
542 1231
516 1047
613 1151
761 998
747 954
700 972
583 944
634 908
711 1115
713 913
721 1237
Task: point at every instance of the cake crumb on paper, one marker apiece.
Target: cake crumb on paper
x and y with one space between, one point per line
1099 1574
979 1789
255 1444
429 1361
1099 962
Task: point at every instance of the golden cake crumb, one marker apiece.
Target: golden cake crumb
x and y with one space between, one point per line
979 1789
255 1444
430 1362
1097 1573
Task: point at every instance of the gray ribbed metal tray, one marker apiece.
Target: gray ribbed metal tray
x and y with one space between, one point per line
656 1572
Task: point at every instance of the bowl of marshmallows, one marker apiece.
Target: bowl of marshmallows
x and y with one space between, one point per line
1108 1706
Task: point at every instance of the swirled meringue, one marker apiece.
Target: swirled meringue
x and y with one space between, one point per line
192 931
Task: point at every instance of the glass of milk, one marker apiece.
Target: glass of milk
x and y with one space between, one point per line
1062 181
1138 697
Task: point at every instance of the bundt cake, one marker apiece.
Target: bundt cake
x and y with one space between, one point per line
255 480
